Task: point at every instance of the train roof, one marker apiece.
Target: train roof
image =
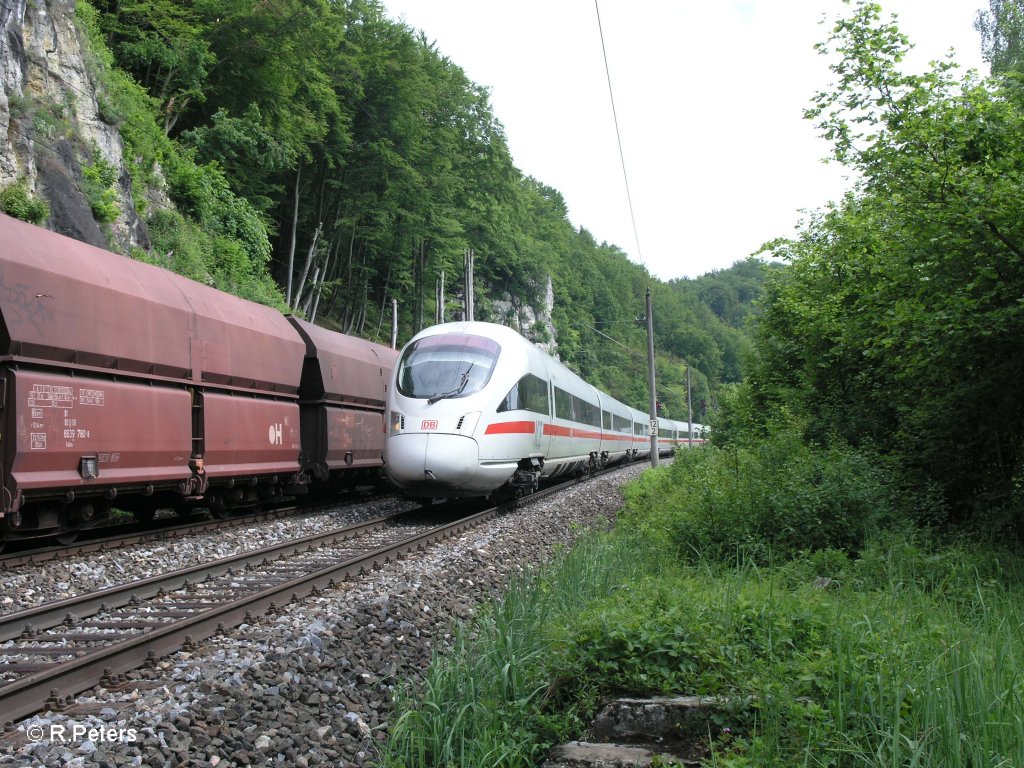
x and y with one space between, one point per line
68 302
499 333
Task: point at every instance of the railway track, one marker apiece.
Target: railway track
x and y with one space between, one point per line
50 653
129 534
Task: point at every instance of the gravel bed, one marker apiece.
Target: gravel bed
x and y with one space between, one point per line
312 684
32 585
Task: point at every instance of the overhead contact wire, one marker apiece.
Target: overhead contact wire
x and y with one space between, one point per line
618 133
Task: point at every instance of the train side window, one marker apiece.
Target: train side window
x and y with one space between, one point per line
563 404
586 412
529 394
607 420
621 424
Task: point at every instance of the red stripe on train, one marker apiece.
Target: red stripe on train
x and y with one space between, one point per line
557 431
511 428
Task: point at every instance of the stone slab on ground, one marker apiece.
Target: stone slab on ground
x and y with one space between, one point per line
662 717
582 754
663 730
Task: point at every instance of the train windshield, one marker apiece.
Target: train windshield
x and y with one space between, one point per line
447 365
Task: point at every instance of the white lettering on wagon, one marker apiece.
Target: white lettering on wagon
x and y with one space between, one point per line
38 441
92 397
276 434
51 396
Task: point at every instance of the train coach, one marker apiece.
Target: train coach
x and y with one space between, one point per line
125 385
475 409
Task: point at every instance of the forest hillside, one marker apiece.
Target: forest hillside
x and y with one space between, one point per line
323 158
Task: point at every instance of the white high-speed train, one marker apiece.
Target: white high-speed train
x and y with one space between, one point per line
474 409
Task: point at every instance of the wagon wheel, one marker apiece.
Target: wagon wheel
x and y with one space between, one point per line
67 537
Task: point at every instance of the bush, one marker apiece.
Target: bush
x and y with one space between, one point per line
772 500
217 260
99 185
203 192
17 201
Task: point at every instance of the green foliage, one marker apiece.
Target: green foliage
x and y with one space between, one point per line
161 44
352 125
99 185
908 654
219 261
17 201
50 119
769 500
203 192
348 124
905 656
1002 35
487 701
19 104
898 322
124 103
735 421
222 240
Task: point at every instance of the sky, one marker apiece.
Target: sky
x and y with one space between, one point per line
709 98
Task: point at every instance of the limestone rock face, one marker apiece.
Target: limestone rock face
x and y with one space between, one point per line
50 121
534 323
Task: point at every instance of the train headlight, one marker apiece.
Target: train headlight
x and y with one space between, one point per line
397 422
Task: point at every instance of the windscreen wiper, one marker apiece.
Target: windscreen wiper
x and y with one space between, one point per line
454 392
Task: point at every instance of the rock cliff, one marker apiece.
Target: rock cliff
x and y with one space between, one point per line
50 122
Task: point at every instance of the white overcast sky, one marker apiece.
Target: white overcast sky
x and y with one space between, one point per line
709 97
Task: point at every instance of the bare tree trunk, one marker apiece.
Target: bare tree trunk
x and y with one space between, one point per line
439 296
469 308
319 288
309 261
312 292
421 299
384 300
291 249
347 309
394 323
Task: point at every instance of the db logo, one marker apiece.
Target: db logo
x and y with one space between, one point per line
429 424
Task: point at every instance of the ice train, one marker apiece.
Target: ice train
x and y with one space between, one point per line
475 409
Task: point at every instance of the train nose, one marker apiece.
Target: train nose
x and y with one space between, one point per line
431 461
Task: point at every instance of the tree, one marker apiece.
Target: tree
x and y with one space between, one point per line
900 318
1002 35
162 44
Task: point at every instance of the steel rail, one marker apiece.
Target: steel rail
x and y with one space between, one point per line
29 694
53 686
51 614
145 532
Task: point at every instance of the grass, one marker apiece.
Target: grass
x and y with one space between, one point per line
908 651
486 701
